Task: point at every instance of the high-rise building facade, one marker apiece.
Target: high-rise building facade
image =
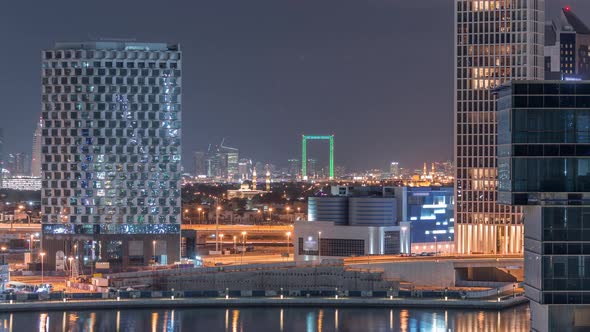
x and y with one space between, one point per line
495 41
294 168
36 155
544 165
222 162
394 169
200 160
111 150
245 169
567 47
17 163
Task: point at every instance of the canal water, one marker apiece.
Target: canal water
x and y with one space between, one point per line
270 319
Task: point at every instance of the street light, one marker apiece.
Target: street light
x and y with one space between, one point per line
199 209
217 227
288 237
270 214
513 290
288 209
3 255
243 246
154 253
42 254
320 247
435 247
71 270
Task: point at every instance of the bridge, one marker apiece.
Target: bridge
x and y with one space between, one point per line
446 271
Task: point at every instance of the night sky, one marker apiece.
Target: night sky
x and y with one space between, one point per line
376 73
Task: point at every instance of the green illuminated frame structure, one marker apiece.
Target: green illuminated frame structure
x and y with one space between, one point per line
304 153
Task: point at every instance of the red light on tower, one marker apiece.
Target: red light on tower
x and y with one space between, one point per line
568 8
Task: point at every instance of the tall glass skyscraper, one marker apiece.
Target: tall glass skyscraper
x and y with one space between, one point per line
544 165
495 41
111 115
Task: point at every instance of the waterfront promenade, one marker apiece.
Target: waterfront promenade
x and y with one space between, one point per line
169 303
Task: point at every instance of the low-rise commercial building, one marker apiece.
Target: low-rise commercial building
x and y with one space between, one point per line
326 239
354 221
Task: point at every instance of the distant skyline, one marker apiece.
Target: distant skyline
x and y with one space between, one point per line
377 74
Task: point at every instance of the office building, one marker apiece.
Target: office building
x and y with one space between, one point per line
495 42
312 168
111 153
394 169
567 48
245 169
200 162
222 162
36 155
325 239
544 166
353 221
17 163
294 168
230 158
430 211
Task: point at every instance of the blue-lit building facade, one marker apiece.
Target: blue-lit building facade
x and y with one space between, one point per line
110 153
430 211
544 166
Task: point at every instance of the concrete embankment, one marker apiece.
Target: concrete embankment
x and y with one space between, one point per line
435 304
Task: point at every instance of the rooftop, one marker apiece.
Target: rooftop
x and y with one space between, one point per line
123 45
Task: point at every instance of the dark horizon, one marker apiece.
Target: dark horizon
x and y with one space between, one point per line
376 74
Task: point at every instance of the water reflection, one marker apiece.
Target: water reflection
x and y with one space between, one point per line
271 319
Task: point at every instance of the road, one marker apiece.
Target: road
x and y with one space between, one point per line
251 258
397 258
246 259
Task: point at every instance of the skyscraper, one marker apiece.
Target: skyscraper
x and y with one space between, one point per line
567 47
394 169
544 165
294 168
222 162
20 163
16 163
36 155
245 168
496 41
200 160
111 153
229 157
